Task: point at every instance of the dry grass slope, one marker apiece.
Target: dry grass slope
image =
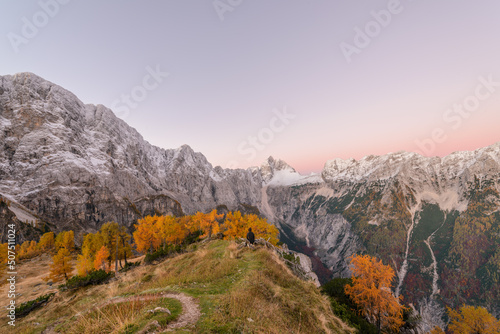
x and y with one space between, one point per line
238 291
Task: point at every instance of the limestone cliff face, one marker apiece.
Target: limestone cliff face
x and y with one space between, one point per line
24 230
77 166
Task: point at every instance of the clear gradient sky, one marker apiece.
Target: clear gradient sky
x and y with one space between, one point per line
304 81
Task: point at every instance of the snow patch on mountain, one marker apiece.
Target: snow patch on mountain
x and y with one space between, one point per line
289 178
279 173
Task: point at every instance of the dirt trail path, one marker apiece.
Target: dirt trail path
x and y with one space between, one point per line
190 308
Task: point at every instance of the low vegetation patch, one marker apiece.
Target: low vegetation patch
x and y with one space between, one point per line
93 278
162 253
25 308
129 265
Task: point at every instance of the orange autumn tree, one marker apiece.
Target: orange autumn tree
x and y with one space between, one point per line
208 223
437 330
147 236
371 291
47 242
172 230
84 265
28 250
116 239
92 243
65 239
4 256
4 251
262 229
101 257
236 226
61 266
111 235
472 320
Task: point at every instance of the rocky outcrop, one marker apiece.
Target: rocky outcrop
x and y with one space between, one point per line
78 165
9 222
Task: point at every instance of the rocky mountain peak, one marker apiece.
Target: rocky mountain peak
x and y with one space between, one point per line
271 166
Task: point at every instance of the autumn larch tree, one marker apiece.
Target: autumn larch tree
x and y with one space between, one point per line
371 291
116 239
84 265
262 229
207 222
92 242
65 239
100 258
23 251
472 320
172 230
124 248
437 330
4 251
236 226
47 242
147 235
61 266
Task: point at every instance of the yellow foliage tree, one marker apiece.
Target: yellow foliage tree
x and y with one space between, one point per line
4 253
147 235
32 249
171 230
101 258
472 320
124 248
116 239
47 242
91 244
371 291
207 222
61 266
84 265
262 229
236 226
65 239
23 250
437 330
28 250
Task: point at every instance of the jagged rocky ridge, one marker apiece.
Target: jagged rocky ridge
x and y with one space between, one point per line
78 166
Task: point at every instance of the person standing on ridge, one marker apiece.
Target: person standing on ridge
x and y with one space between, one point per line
250 236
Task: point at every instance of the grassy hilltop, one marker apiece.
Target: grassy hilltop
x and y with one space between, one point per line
213 288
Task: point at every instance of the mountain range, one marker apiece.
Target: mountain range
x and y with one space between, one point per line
69 165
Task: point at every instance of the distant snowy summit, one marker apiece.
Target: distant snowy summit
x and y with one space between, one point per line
279 173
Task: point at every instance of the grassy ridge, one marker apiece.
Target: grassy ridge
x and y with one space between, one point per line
239 290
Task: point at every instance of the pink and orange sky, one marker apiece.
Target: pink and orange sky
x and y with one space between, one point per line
302 81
